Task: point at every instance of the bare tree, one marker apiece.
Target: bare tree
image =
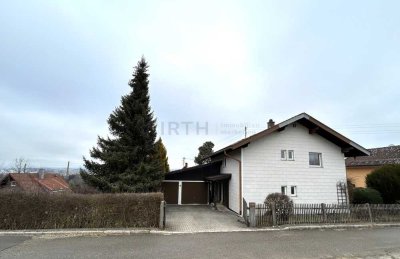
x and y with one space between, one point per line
20 165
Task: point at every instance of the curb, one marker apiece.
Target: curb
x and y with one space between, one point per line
109 232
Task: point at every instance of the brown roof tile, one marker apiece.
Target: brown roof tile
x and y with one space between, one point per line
31 182
379 156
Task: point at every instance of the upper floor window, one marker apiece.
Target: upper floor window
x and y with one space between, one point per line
287 154
13 183
290 154
315 159
283 155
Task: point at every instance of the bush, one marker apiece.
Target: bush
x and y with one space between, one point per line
284 204
366 195
278 198
20 210
350 189
387 181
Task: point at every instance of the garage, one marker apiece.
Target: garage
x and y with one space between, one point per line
171 192
190 185
185 192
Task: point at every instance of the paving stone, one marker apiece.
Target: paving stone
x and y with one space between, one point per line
201 218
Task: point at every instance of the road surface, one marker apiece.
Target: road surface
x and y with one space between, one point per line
349 243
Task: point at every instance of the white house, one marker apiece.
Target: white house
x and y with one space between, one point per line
301 157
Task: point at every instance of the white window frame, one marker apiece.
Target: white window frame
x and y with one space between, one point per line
288 156
13 183
319 158
284 153
284 189
293 187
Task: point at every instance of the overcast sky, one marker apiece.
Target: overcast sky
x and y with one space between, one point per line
64 66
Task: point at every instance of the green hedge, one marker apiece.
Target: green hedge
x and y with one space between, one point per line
366 195
387 181
20 210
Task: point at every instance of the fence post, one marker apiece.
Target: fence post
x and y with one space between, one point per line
162 215
273 211
252 216
323 208
244 211
369 212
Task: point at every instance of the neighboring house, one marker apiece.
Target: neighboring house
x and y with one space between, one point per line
300 157
35 182
359 167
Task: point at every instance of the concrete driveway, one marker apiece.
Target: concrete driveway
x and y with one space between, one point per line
201 218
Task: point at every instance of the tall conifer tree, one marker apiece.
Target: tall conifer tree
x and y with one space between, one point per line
162 155
127 162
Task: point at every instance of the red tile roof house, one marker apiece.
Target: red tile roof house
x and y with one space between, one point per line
35 182
359 167
301 157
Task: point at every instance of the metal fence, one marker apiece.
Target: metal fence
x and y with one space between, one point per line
273 215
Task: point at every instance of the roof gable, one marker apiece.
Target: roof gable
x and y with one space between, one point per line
349 148
32 183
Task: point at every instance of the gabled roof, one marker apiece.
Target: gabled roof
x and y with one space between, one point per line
349 148
32 183
379 156
26 182
54 183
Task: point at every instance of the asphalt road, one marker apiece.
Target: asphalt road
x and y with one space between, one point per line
357 243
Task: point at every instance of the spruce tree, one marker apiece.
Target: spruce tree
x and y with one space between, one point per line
127 162
162 155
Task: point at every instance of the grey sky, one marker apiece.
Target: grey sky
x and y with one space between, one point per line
65 64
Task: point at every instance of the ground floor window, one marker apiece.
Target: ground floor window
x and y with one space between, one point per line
289 190
293 190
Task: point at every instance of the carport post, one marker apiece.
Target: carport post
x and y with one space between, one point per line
162 215
252 216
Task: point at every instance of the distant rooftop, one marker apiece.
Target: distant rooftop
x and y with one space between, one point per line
379 156
32 182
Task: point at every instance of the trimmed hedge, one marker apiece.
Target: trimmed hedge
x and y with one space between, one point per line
386 180
366 195
19 210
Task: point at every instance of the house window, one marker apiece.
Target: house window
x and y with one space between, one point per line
283 154
315 159
289 190
290 154
293 190
13 183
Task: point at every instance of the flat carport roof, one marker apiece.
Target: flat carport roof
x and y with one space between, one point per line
196 173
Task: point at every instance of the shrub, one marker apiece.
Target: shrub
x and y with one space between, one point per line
387 181
278 199
366 195
350 189
20 210
284 204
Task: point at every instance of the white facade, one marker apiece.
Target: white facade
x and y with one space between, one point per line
231 166
265 172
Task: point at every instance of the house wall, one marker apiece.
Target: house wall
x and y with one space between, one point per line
6 185
232 167
357 175
264 172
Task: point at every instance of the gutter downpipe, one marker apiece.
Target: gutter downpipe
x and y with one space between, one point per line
240 180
